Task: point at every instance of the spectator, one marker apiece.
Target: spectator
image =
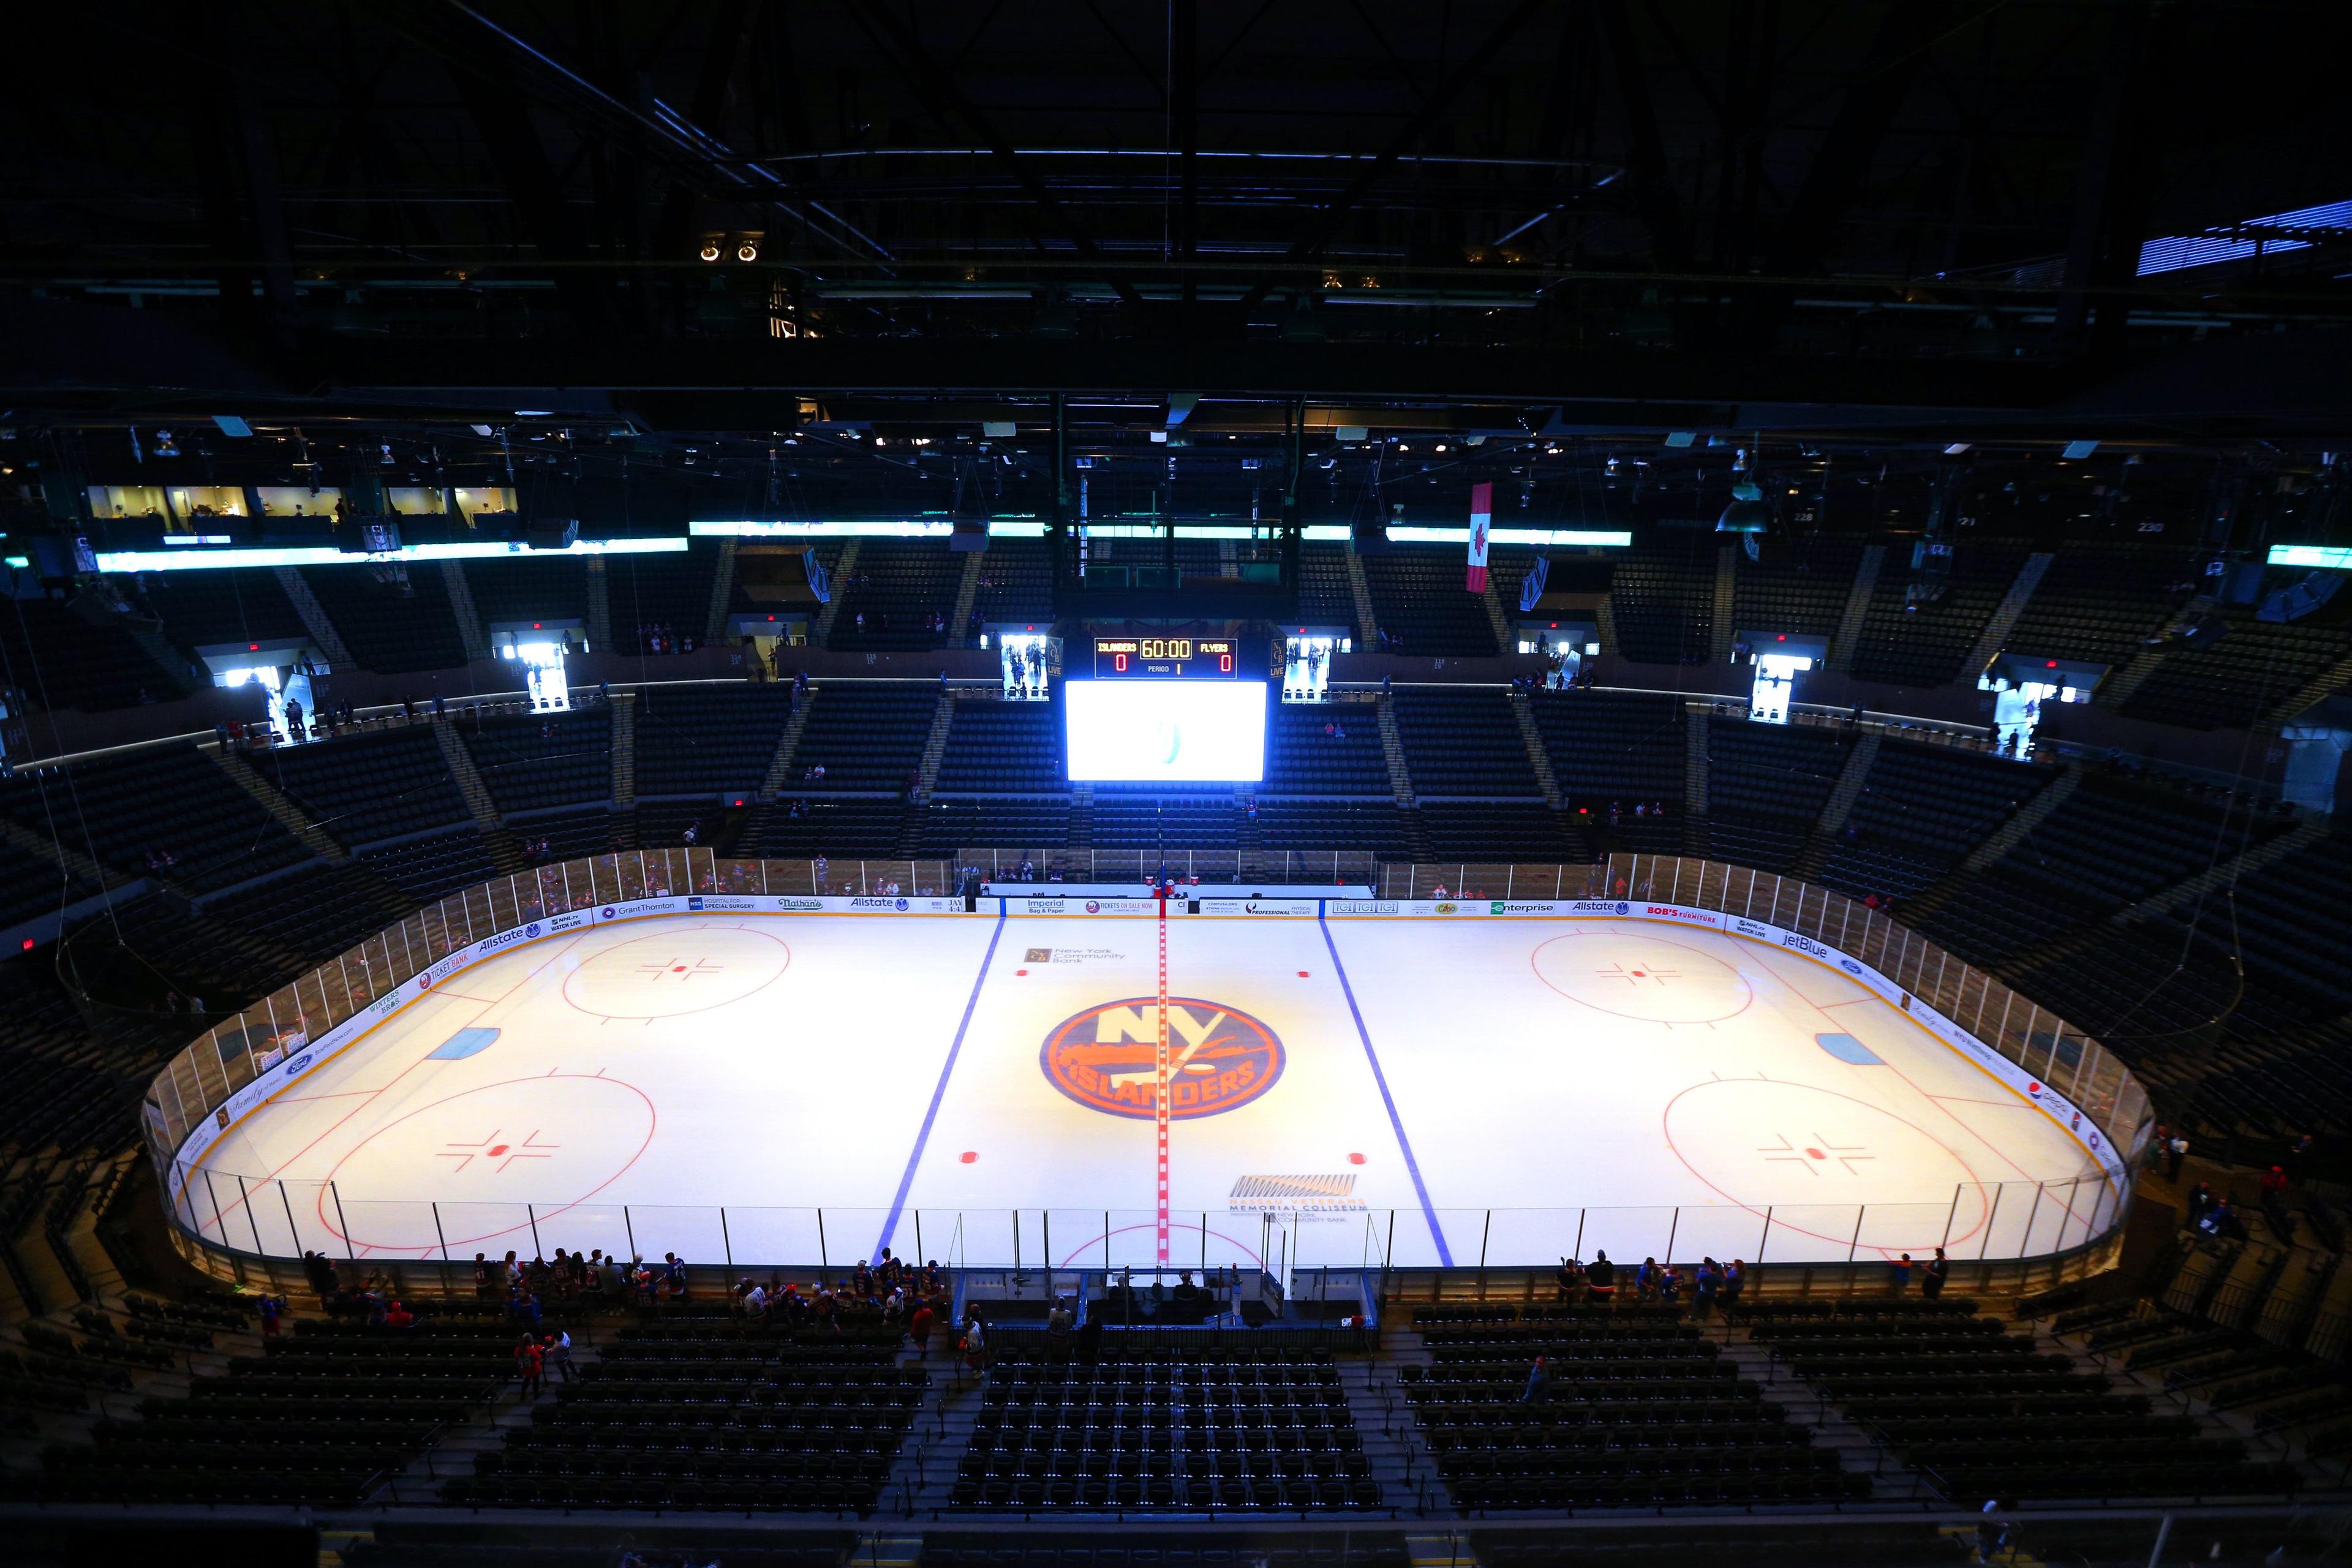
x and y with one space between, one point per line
1903 1274
1602 1277
1539 1382
1058 1323
1735 1277
271 1307
1706 1282
555 1351
2175 1154
530 1365
975 1344
2298 1159
674 1275
1931 1282
399 1317
919 1327
2201 1198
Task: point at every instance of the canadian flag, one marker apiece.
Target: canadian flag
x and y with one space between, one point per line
1482 517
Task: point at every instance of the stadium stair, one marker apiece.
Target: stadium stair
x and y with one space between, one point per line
1694 773
1416 828
291 817
462 610
821 634
2334 678
42 848
1605 626
967 591
323 631
2004 615
780 766
2120 688
1857 609
503 852
1998 843
1726 589
1496 618
1857 1451
1537 757
722 593
927 773
624 750
1367 627
600 605
1852 779
2226 873
1248 842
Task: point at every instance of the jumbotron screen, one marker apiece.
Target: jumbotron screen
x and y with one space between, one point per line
1165 732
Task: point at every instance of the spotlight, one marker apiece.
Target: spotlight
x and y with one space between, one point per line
710 251
747 250
164 446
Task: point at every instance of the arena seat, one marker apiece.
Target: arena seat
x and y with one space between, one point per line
427 867
1662 600
2245 676
1463 743
1642 1411
667 589
202 609
1796 585
344 1405
529 588
1766 787
366 788
1004 748
391 627
1420 606
1322 750
62 661
694 1408
897 584
1246 1428
868 736
1923 643
1984 1413
155 800
2098 601
534 761
708 740
1921 810
1016 584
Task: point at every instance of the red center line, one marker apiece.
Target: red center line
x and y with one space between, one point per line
1161 1066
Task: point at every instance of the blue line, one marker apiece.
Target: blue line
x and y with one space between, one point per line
1444 1253
947 1069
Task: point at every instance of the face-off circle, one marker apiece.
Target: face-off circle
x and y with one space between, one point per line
1813 1155
1632 975
551 1143
668 975
1218 1057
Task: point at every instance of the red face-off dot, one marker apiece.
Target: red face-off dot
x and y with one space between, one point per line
1020 972
1355 1159
1302 974
499 1148
969 1156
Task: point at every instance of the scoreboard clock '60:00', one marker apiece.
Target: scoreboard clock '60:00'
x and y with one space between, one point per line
1166 659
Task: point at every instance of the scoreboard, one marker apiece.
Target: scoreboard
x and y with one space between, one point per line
1166 659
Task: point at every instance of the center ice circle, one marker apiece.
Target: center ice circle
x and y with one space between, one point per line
676 970
1632 975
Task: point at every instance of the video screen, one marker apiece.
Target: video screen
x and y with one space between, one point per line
1166 731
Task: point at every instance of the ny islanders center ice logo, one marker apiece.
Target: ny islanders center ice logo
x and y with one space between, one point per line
1218 1057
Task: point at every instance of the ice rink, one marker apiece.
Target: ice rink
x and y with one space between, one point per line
966 1086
